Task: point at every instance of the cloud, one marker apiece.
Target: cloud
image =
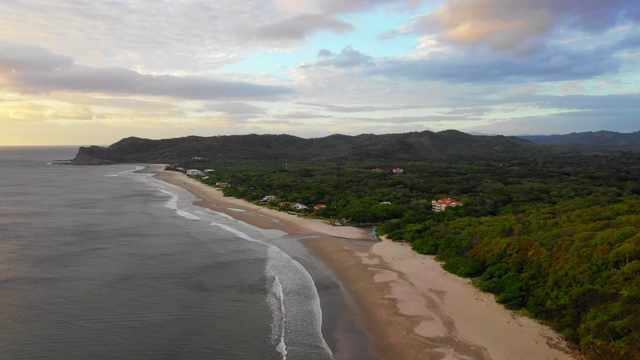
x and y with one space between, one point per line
552 64
72 113
338 6
16 57
470 111
584 102
324 53
300 115
112 102
622 120
54 73
32 111
234 108
630 42
356 109
411 119
509 24
299 27
347 58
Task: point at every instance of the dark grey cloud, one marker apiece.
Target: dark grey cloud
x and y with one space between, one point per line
347 58
299 27
324 53
52 73
621 120
584 102
16 57
554 64
113 102
595 15
630 42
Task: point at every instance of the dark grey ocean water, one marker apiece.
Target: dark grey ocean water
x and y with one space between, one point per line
106 263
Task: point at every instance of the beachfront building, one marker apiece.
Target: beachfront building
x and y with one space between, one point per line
442 204
294 205
208 171
377 170
397 170
194 172
269 198
222 184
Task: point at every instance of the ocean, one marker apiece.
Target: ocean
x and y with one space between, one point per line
105 262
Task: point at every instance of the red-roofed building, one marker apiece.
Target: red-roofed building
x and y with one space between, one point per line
442 204
397 170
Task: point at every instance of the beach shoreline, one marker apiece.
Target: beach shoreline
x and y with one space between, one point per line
407 304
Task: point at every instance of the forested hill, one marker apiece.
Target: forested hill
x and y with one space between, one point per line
415 146
591 139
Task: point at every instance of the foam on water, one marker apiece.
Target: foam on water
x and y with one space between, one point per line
172 203
218 214
291 293
292 298
275 299
137 168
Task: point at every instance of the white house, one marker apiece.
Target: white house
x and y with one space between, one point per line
194 172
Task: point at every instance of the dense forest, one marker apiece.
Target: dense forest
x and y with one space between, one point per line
554 234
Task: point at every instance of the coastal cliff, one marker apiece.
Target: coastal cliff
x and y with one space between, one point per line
93 155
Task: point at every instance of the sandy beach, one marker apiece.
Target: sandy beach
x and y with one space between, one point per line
409 306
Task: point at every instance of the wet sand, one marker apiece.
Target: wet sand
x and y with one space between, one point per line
409 306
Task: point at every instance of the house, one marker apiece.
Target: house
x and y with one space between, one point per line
442 204
222 184
397 170
377 170
194 172
385 203
208 171
320 206
269 198
294 205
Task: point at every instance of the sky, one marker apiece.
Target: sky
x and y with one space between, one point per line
81 72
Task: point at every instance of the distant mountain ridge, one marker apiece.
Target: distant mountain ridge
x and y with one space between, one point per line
590 139
415 146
